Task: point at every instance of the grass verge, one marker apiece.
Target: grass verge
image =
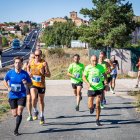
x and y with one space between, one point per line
137 95
4 106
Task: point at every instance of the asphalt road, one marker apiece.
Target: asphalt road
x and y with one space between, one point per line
8 55
119 119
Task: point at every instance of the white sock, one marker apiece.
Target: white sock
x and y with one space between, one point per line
35 109
41 114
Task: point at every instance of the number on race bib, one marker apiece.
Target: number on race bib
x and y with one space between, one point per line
96 80
16 87
77 75
36 78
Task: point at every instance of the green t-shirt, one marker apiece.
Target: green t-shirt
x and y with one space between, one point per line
94 76
105 69
76 70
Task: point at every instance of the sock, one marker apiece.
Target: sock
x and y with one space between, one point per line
41 114
35 109
18 121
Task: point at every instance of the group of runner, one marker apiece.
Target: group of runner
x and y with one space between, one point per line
97 75
29 82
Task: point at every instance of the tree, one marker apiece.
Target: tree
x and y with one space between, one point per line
111 23
25 29
4 41
60 34
17 27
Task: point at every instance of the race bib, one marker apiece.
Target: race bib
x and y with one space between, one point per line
36 78
77 75
96 80
16 87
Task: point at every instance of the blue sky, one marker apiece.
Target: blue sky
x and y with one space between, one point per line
41 10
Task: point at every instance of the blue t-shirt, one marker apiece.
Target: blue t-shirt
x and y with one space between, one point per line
14 79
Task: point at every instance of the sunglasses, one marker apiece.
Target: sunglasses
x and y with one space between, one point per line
37 55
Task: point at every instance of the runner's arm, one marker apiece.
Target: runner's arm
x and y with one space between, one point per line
47 71
6 85
85 80
70 75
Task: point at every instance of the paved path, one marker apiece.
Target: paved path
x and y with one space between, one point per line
119 119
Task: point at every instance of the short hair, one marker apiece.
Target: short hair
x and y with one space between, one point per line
103 52
76 55
19 58
39 51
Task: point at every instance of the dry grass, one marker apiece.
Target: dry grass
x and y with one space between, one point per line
59 62
137 95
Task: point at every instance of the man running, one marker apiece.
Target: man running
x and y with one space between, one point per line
15 81
138 77
114 73
29 104
38 69
75 71
92 77
101 61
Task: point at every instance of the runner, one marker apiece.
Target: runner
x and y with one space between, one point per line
114 73
138 77
38 69
92 77
75 71
14 81
29 104
101 61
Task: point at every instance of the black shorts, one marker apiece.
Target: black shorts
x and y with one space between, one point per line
113 76
40 90
74 86
92 93
14 103
109 79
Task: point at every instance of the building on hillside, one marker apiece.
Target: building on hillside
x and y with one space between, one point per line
78 21
73 16
51 21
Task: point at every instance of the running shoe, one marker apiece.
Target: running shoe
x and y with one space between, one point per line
102 105
98 123
16 133
30 118
42 120
35 117
77 108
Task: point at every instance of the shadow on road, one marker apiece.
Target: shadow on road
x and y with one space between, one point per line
121 122
62 117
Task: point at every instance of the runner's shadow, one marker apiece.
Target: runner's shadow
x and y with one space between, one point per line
121 121
53 130
110 108
62 117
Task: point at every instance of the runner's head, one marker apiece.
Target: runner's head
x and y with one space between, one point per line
38 54
102 55
76 58
94 60
113 57
18 62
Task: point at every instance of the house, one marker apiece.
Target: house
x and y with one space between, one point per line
73 16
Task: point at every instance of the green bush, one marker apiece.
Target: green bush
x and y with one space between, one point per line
59 52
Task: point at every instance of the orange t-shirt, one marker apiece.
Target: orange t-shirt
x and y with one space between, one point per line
38 79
